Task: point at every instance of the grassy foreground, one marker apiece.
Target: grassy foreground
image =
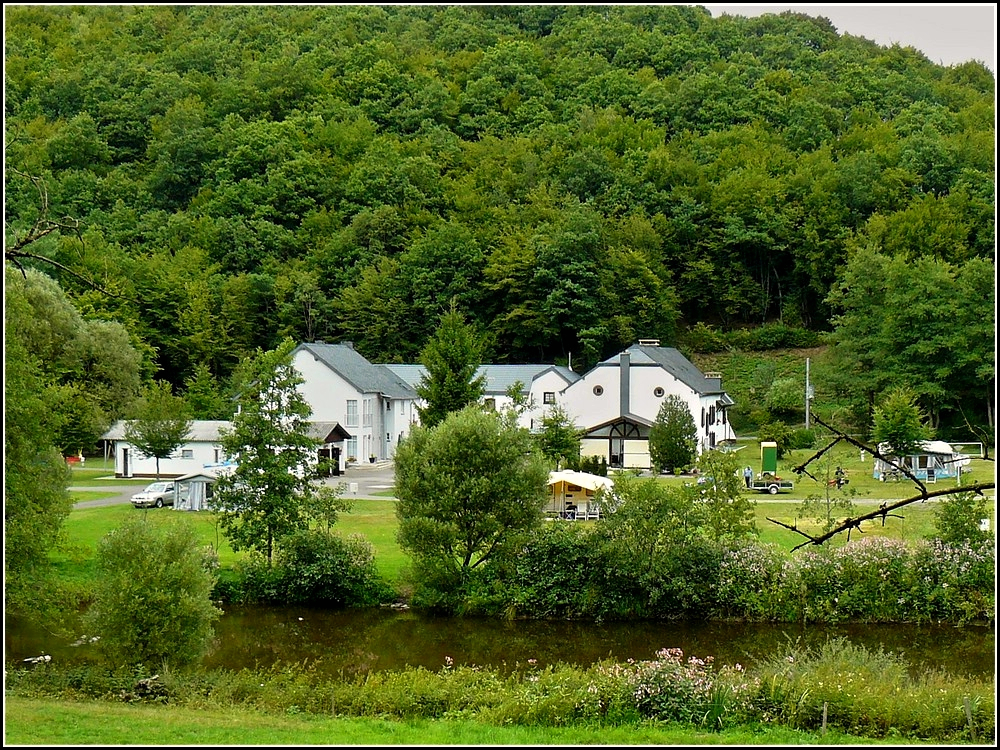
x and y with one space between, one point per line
52 722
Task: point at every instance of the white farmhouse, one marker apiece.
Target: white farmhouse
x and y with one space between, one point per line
617 402
541 386
373 405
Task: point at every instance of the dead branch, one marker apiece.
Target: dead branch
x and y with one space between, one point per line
885 509
42 227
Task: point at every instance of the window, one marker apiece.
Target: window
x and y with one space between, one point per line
549 397
352 448
366 413
187 453
352 413
490 404
658 392
598 390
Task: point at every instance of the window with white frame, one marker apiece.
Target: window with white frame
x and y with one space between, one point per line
352 448
549 397
366 413
352 413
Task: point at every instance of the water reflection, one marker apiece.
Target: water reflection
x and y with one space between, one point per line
359 641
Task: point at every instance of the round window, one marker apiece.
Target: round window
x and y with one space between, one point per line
598 390
658 392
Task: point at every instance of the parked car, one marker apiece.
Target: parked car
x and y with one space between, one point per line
155 495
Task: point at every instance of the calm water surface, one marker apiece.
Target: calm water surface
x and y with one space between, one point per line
359 641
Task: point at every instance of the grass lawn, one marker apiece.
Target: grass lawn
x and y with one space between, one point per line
32 721
375 519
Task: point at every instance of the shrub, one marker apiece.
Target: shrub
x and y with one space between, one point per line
313 567
318 567
152 601
801 439
550 574
749 574
956 518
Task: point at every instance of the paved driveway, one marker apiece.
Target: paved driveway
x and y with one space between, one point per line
120 495
369 478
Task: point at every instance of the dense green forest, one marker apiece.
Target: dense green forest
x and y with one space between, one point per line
574 177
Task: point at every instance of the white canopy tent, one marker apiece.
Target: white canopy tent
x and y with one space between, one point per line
574 494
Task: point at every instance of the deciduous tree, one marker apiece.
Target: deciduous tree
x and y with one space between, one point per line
269 494
466 488
161 423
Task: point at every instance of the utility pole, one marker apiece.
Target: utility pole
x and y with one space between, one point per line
809 393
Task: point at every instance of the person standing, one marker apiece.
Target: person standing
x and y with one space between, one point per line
747 476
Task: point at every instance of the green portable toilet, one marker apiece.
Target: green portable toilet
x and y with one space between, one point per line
769 457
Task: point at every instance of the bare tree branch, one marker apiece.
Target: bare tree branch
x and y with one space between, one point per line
42 227
885 509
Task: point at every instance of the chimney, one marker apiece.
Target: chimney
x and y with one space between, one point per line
624 375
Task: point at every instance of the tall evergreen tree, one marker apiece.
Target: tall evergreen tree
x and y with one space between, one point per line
673 437
452 357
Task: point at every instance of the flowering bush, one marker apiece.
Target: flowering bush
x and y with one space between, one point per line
750 574
953 582
672 689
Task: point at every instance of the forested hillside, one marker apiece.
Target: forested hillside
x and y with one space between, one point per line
576 177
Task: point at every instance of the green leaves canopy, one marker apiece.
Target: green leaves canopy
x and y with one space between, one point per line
466 488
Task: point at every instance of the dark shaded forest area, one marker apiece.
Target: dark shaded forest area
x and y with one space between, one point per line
574 177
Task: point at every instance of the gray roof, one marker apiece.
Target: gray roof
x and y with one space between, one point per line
498 377
673 362
344 360
202 430
324 430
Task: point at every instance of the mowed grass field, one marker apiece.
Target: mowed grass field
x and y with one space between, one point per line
375 519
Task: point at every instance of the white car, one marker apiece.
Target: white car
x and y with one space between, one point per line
155 495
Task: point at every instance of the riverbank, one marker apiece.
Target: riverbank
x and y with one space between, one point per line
831 691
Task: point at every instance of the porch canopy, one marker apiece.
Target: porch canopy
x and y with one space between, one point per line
572 494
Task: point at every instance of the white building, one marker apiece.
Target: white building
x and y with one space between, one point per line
541 386
615 403
371 403
618 400
202 447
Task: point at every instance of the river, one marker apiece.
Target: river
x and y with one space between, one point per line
359 641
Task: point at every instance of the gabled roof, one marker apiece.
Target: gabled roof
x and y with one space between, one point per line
202 430
327 432
498 377
366 377
673 362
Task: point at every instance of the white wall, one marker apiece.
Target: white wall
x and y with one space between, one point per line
138 466
548 382
587 409
327 395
